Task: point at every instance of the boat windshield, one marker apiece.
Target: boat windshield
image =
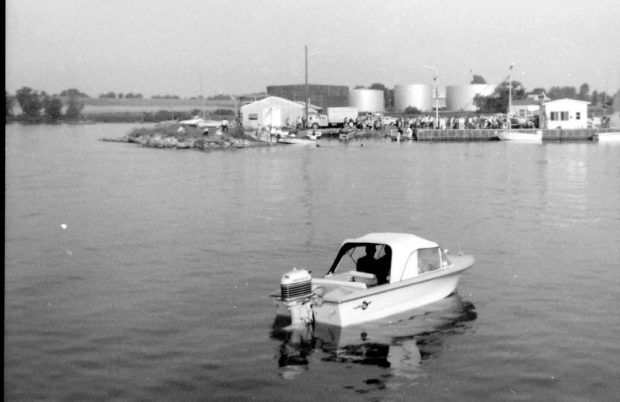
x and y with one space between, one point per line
371 258
430 259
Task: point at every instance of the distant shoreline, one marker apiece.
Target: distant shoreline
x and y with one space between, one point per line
136 110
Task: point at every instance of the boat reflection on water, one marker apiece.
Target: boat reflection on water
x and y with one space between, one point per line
401 343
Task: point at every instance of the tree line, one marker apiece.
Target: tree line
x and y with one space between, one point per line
41 107
120 95
497 102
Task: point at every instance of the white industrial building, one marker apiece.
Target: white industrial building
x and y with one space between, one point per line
565 114
367 100
419 96
460 98
273 111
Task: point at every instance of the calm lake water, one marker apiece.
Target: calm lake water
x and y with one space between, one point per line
144 274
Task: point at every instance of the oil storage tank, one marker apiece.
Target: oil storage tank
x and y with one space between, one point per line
367 100
460 98
419 96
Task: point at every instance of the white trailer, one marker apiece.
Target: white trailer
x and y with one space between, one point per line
337 115
334 118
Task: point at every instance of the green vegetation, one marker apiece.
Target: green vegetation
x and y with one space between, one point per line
411 110
165 97
497 102
224 112
478 79
30 102
52 108
72 105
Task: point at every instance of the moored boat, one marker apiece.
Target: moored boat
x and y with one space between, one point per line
297 141
520 136
374 276
347 133
607 137
516 136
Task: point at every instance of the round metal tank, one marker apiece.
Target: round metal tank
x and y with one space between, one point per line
460 98
419 96
367 100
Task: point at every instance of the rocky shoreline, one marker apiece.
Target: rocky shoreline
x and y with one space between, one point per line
174 136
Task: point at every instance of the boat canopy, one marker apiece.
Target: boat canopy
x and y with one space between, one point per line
407 261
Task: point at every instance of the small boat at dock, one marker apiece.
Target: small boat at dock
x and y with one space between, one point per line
297 141
607 137
516 136
347 133
520 136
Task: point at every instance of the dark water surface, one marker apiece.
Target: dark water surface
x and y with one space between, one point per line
157 287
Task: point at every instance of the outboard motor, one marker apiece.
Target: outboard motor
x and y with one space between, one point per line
296 294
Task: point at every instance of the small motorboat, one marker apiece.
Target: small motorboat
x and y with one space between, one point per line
607 137
347 133
520 136
301 138
374 276
297 141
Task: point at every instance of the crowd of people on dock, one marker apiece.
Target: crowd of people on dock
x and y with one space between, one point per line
427 121
464 122
406 126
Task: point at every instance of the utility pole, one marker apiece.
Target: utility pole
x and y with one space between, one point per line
509 90
307 91
436 90
436 79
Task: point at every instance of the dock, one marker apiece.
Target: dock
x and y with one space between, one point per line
489 134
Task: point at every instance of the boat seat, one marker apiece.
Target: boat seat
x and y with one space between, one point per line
364 277
339 281
352 278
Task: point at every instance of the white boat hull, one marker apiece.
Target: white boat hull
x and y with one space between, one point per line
435 316
517 136
607 137
297 141
376 305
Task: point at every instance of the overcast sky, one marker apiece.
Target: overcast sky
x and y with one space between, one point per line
241 46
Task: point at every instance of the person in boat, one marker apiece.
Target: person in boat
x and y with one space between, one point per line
380 268
383 266
368 262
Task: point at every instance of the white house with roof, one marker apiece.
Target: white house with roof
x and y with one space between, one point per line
273 111
565 114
